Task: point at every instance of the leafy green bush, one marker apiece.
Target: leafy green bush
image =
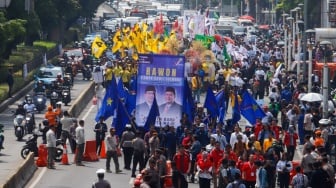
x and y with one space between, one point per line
47 44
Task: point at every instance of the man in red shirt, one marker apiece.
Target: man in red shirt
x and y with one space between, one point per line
275 128
258 127
229 154
249 170
216 155
186 142
182 161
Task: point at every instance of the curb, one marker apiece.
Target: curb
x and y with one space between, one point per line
23 173
82 100
17 95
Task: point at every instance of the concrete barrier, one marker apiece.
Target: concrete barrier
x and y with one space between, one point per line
82 100
23 173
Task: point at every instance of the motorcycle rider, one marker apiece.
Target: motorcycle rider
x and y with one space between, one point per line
20 110
59 78
40 87
30 108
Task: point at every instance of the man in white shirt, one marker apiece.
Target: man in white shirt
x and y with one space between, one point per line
233 138
220 138
51 146
66 122
111 143
80 140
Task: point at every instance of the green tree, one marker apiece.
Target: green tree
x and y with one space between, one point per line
12 32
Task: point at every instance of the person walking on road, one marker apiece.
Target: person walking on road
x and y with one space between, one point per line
111 144
139 146
51 147
80 140
126 144
101 183
10 82
66 122
100 130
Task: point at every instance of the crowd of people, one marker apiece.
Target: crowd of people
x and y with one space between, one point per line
222 154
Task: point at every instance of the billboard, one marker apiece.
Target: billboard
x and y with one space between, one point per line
160 77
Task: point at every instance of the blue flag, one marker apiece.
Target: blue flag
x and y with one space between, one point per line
188 102
121 90
130 102
109 103
152 115
210 103
122 118
236 111
220 99
250 108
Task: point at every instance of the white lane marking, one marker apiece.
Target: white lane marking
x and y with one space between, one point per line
44 170
88 112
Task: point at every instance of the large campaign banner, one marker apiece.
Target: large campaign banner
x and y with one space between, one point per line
160 77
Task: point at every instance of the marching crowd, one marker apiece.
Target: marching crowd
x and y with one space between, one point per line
224 154
227 155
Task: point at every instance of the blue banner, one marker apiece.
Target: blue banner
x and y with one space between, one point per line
160 77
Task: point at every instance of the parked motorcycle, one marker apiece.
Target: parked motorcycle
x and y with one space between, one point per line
40 101
66 95
19 129
31 146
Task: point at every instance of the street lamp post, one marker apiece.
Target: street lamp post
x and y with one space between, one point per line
290 32
310 66
324 45
293 12
284 27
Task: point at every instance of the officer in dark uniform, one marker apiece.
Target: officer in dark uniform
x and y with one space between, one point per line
101 183
127 146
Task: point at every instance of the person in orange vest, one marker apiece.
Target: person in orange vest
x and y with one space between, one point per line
51 116
204 167
319 141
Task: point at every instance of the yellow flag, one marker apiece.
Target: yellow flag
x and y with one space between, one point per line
116 37
98 47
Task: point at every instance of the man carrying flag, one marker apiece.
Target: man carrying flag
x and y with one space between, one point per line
98 47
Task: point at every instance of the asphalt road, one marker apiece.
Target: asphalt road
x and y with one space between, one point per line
78 176
82 176
10 157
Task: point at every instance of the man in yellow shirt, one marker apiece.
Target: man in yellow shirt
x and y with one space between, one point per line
256 143
268 142
125 76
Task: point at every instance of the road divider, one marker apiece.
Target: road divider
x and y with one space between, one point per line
23 173
82 100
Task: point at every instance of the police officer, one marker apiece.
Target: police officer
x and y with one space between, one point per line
127 146
101 183
100 130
